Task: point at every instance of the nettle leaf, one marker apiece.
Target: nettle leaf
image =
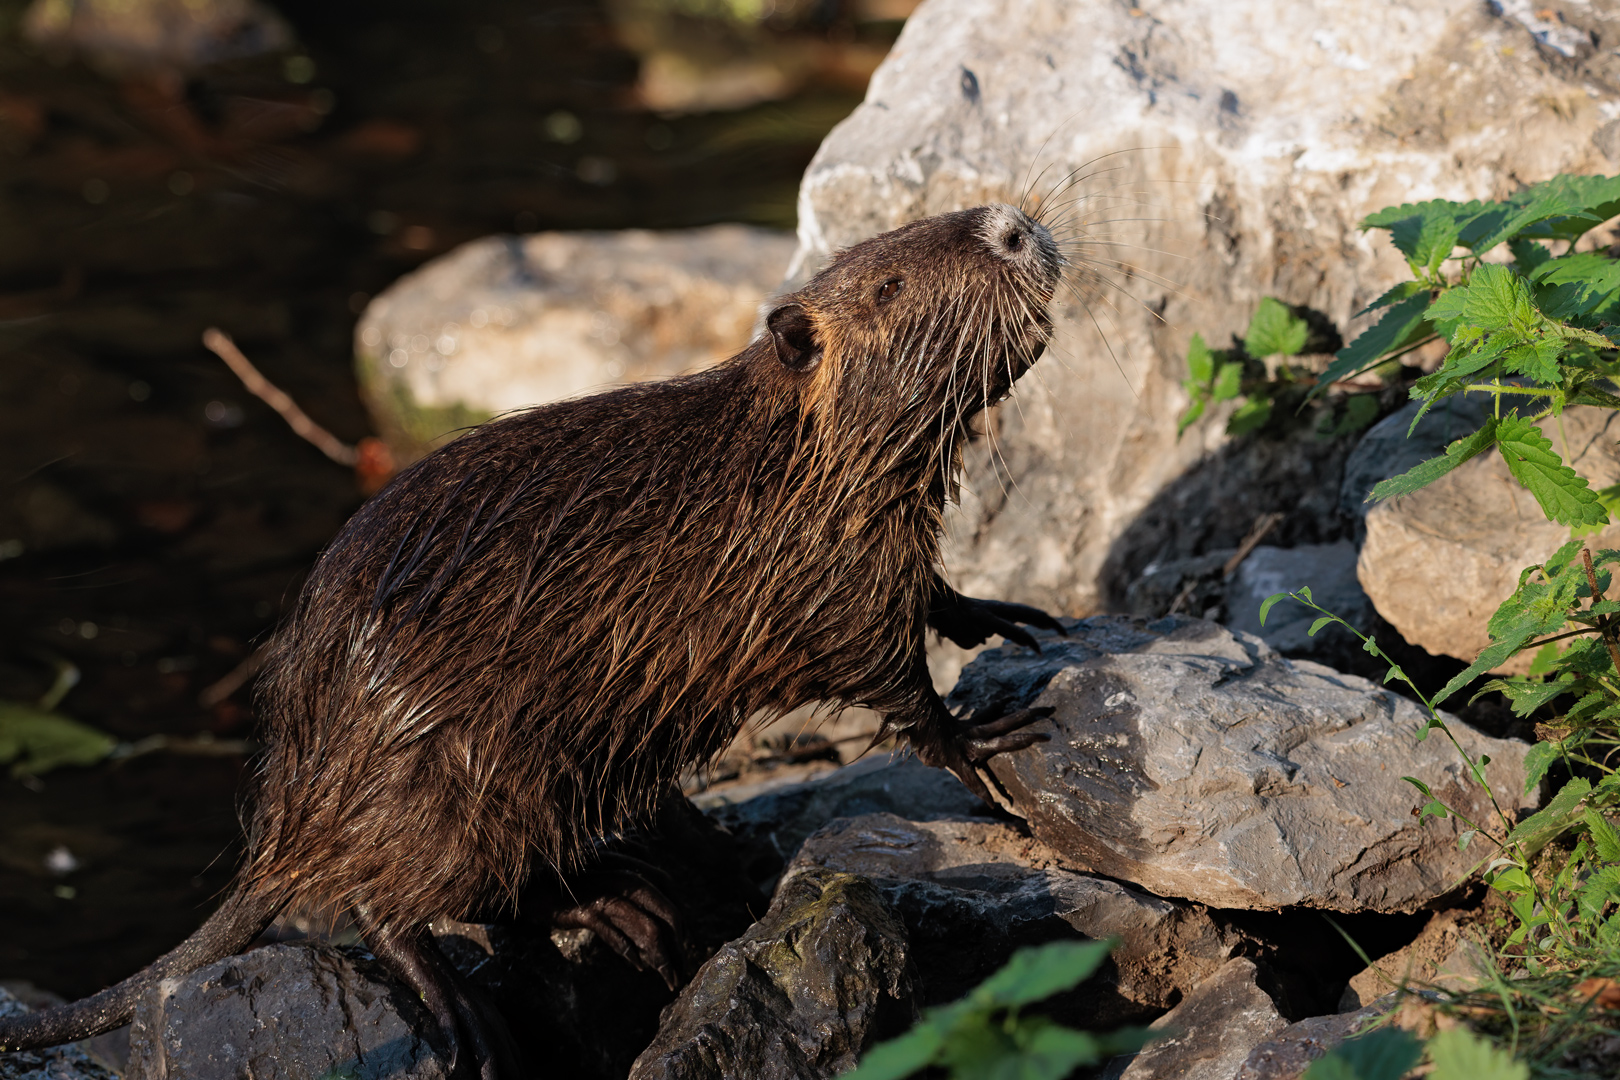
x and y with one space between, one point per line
1604 837
1403 324
1537 761
1228 382
1564 495
1427 236
1547 824
1394 294
1427 472
1528 255
900 1057
1385 1053
1459 1054
1249 416
1597 891
1275 330
1034 974
1538 359
1497 299
1200 361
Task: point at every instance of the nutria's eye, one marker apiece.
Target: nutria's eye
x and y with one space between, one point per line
889 290
1014 240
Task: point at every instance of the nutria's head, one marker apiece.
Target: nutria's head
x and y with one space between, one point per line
923 326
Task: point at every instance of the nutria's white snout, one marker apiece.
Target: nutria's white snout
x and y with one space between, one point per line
1021 240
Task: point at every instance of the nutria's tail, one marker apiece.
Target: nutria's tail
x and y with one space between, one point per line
240 919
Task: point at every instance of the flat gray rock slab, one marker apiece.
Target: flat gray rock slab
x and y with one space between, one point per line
972 891
1210 1033
283 1012
816 982
1199 764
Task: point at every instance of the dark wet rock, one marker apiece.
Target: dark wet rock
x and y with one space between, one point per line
813 984
1211 1032
1197 763
69 1062
284 1011
1290 1051
770 827
971 891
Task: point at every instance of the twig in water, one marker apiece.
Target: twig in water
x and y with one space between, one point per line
221 345
217 692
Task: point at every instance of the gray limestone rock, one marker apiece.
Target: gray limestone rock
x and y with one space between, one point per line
1210 1033
1198 763
512 321
817 981
773 825
1225 154
57 1063
971 891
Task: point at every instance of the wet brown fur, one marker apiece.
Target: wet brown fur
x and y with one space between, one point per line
522 642
526 638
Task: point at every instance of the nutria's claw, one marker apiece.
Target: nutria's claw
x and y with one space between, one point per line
969 621
631 917
972 746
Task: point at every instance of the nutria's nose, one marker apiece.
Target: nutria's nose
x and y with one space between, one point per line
1020 239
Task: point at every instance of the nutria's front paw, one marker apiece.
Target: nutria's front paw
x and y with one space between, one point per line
629 914
969 621
971 746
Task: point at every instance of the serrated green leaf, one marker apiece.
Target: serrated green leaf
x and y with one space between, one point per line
1200 361
1427 472
1537 761
1536 359
1548 823
1459 1054
1495 299
1035 974
1394 294
1051 1051
1597 892
1529 255
1564 495
1250 416
1274 330
901 1056
1385 1053
1402 324
1228 382
1604 837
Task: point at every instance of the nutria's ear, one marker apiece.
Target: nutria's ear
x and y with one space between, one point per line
794 336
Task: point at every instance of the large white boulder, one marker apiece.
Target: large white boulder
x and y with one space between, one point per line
1233 148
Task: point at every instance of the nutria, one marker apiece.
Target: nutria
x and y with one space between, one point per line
518 646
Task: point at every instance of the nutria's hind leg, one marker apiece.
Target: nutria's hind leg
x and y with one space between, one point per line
471 1042
943 741
617 900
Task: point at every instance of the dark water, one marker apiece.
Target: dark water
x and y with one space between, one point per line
166 516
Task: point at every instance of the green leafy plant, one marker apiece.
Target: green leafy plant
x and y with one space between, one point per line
35 739
1217 375
1389 1053
987 1036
